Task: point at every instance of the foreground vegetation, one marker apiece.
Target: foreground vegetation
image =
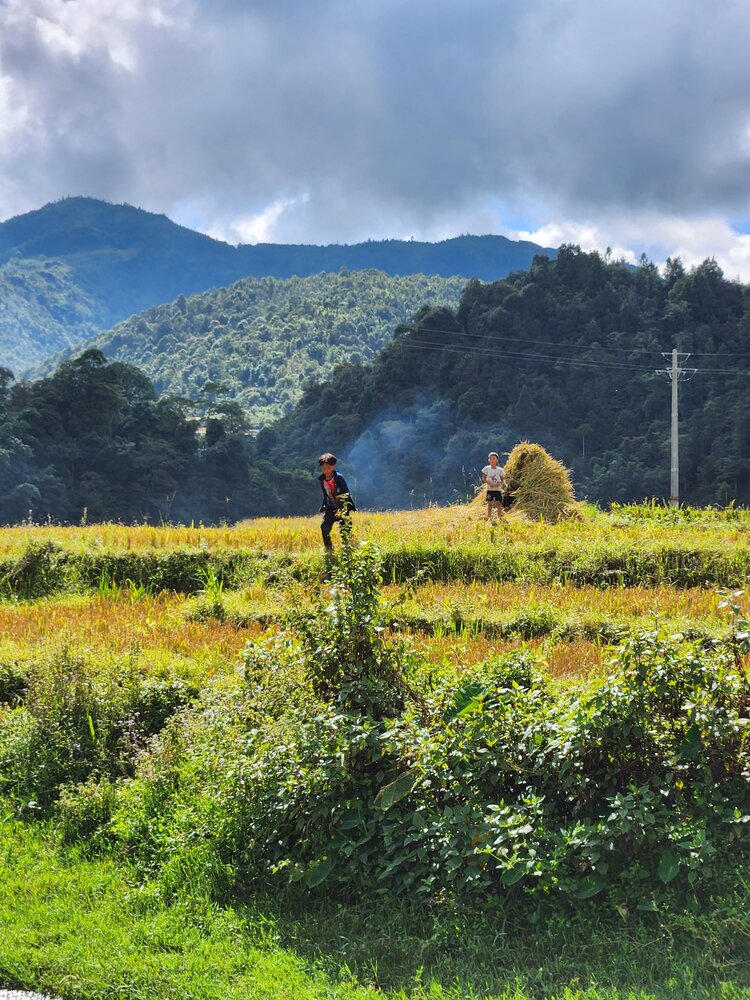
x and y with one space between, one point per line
87 928
255 772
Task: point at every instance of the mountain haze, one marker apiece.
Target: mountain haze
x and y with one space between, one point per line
113 261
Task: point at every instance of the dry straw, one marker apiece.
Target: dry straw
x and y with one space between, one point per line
539 484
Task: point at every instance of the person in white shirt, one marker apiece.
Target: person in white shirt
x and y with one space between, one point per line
494 478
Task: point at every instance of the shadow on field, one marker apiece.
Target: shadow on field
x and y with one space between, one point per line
395 945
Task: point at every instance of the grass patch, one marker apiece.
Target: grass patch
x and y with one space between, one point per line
89 929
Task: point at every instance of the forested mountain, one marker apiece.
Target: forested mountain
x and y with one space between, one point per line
42 309
261 339
86 264
93 442
565 354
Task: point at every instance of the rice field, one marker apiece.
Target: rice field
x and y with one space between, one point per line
450 614
118 625
457 526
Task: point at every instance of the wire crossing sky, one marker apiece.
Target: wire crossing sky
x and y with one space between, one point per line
316 121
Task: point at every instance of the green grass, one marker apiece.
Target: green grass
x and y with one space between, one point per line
88 929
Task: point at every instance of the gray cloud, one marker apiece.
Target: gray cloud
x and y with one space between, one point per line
372 119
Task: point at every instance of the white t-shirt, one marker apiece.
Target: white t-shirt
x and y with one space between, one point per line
493 477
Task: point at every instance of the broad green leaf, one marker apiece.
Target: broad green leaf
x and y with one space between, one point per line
589 886
350 819
320 872
691 744
397 789
513 875
669 865
467 699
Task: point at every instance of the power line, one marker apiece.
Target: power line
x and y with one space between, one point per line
570 347
541 343
490 351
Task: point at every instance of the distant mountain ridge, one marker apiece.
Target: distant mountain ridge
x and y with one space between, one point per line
263 339
118 260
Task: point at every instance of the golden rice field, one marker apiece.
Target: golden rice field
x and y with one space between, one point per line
451 621
452 526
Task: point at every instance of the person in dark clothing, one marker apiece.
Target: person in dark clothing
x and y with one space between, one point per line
337 503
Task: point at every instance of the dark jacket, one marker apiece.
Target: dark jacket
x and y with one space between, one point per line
343 499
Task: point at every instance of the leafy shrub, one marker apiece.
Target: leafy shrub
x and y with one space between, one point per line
323 766
151 702
350 662
21 766
13 682
78 719
332 760
39 570
82 810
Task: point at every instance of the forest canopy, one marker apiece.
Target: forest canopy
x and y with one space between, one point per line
569 353
94 442
263 338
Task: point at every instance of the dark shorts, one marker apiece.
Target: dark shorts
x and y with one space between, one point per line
496 495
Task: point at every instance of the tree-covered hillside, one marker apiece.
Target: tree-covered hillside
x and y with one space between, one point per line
93 442
121 260
261 339
566 354
42 309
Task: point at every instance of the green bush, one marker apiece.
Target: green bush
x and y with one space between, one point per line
39 570
21 764
13 682
323 764
79 718
83 810
350 662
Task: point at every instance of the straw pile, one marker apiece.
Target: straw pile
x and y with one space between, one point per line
539 484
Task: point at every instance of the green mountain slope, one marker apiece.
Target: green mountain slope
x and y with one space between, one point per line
263 338
566 354
120 260
42 308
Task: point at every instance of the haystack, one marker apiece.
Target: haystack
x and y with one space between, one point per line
539 484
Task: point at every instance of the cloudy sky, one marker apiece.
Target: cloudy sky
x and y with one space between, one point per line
601 122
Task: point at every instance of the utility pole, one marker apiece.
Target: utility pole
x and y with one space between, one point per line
675 373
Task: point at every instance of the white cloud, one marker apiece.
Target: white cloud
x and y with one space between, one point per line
659 237
257 228
603 124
